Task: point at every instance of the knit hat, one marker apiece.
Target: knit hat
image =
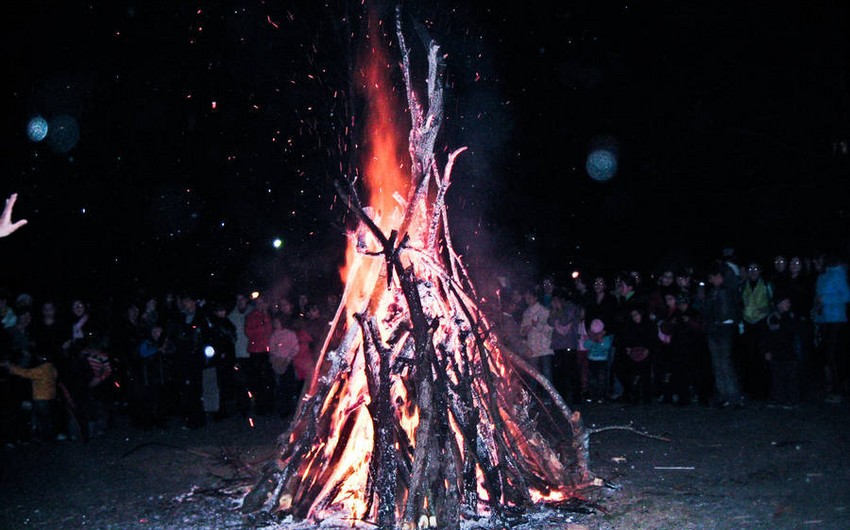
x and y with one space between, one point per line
596 326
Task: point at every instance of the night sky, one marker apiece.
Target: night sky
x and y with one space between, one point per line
206 130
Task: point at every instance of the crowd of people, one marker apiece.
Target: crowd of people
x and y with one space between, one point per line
718 334
69 374
714 334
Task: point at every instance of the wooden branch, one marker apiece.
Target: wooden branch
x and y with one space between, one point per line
383 451
440 200
627 428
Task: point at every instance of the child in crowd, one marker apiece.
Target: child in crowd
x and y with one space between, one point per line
581 357
598 346
43 375
151 376
99 386
780 344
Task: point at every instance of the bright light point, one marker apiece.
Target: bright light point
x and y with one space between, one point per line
213 105
255 295
277 243
37 129
209 352
251 422
575 275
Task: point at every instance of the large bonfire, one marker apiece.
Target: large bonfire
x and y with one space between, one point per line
417 415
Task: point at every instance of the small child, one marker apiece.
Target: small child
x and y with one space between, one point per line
780 346
43 376
100 385
598 346
151 378
581 357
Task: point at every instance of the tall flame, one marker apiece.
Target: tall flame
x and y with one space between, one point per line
385 177
384 170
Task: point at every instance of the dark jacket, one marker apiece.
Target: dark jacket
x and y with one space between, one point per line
723 303
781 337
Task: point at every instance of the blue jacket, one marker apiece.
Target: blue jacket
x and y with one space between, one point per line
833 293
599 351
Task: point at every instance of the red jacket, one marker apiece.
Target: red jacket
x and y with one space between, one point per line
258 329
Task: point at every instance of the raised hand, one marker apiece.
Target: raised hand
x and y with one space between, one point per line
6 224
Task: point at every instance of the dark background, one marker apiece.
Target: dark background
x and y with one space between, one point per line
729 119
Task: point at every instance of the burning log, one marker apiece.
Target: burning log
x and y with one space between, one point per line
416 411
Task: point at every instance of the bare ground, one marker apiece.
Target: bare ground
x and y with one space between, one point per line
761 467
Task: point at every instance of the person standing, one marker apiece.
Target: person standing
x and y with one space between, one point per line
599 346
283 347
190 340
832 295
722 315
82 327
564 318
151 378
538 333
242 360
801 291
781 340
48 331
43 376
756 296
311 330
258 329
601 304
636 347
222 337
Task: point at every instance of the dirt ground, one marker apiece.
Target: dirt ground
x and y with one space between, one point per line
761 467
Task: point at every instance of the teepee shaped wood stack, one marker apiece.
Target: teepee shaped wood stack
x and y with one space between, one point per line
417 415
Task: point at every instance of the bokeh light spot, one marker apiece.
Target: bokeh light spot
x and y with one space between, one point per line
601 164
37 129
63 134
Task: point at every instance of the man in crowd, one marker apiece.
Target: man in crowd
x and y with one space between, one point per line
722 315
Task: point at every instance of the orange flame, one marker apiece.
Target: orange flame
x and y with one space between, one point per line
385 176
384 169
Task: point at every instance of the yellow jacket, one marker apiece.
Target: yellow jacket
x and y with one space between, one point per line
43 379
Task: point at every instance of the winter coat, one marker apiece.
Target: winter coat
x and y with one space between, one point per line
782 336
283 347
535 326
238 319
258 329
599 350
833 294
43 379
565 327
756 299
722 304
